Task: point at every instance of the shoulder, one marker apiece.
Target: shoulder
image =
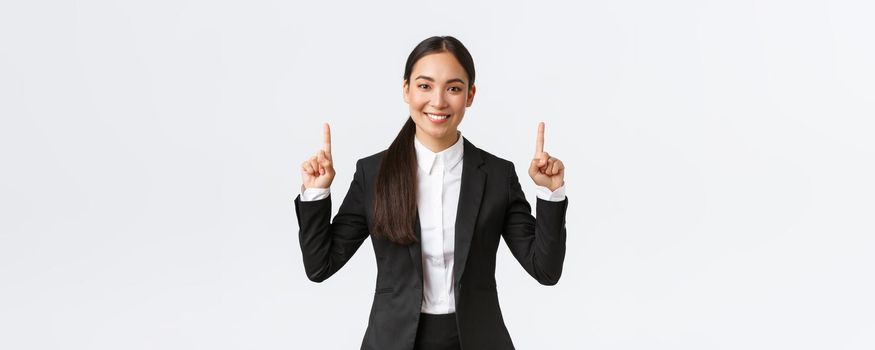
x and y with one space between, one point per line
371 163
491 163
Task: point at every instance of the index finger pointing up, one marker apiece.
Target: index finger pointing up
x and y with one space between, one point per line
539 144
326 135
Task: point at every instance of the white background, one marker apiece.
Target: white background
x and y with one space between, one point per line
719 167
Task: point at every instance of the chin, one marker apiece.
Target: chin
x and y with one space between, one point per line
435 133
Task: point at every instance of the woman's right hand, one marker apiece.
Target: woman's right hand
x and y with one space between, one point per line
318 171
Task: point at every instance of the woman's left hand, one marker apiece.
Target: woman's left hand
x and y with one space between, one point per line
545 170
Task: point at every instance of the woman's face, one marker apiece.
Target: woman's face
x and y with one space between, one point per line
438 95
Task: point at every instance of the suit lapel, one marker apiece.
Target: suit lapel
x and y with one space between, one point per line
416 248
470 196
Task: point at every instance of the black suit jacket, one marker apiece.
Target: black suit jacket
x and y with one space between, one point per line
491 205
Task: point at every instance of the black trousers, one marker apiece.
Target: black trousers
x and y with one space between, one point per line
437 332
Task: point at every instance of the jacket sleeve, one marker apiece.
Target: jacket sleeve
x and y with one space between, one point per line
327 245
537 243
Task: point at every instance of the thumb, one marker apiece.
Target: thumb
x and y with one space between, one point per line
324 160
533 166
542 159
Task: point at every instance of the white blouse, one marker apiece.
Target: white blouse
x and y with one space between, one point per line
439 179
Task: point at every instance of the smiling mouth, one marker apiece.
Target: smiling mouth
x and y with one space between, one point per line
437 117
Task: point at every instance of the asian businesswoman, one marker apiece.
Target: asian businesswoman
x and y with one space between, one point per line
435 207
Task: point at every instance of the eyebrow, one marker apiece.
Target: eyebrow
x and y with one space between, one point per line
432 79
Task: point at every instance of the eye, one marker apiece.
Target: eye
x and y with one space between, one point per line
455 89
423 86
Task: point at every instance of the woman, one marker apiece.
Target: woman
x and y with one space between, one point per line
434 206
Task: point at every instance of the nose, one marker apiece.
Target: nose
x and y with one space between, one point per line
438 100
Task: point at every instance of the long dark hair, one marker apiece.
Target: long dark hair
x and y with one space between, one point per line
395 188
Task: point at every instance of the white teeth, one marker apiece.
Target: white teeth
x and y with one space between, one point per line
437 117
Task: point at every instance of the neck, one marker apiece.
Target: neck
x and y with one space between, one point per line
437 144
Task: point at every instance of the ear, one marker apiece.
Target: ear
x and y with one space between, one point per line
405 92
471 92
